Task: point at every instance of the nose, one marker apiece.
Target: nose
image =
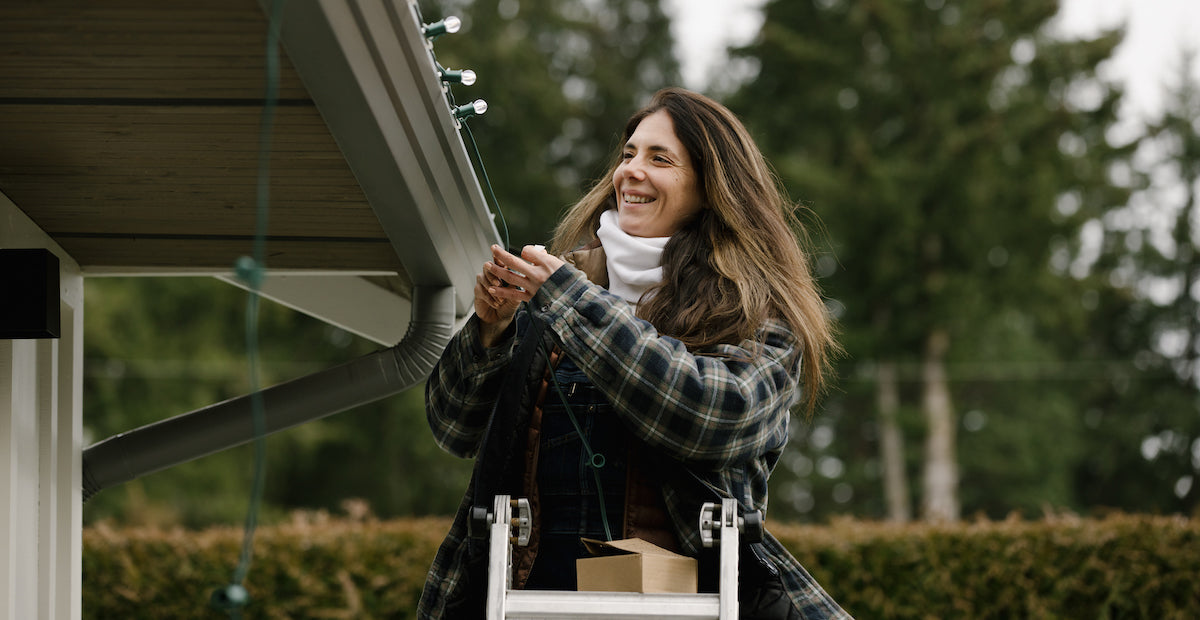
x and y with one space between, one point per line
633 168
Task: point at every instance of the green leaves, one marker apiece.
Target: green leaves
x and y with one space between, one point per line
934 139
316 566
560 78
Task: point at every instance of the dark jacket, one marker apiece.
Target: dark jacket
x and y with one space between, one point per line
713 422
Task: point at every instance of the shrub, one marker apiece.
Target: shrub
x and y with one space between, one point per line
309 568
1120 567
317 567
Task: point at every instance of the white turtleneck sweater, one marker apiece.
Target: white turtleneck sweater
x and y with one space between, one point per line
634 263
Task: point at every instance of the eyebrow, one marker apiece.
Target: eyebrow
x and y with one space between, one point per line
653 148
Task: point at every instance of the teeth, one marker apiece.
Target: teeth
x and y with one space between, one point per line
637 199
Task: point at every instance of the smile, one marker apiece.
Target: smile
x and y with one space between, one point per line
637 200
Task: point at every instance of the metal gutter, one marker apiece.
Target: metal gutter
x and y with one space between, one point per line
369 70
205 431
371 74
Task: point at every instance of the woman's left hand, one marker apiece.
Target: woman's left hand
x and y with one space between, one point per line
532 269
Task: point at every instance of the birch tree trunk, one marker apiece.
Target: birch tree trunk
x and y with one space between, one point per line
940 498
891 445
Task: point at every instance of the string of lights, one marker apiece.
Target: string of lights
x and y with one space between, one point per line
460 113
251 270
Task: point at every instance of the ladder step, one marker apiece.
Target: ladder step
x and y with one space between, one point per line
560 605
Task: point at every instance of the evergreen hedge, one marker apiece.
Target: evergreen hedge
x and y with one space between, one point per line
1121 566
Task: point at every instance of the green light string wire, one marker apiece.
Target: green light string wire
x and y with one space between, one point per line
595 459
486 182
263 191
234 596
478 159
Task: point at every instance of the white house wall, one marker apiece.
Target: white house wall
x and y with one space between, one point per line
40 446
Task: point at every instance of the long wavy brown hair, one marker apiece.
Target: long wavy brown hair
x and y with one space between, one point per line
740 260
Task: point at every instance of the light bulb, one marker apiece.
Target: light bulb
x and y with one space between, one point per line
450 25
466 77
463 112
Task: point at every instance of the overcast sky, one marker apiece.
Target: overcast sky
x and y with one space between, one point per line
1146 60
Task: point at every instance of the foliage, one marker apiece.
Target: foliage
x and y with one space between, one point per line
1143 260
935 141
158 347
1118 567
311 567
960 162
316 567
560 77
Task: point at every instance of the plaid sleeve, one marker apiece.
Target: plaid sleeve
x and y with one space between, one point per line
712 409
461 389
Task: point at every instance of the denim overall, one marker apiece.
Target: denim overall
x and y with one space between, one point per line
570 508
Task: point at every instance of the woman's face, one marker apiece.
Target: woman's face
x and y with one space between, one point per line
657 189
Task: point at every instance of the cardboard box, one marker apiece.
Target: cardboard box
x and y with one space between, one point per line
634 565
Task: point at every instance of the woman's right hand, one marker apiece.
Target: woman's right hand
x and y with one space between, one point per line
495 313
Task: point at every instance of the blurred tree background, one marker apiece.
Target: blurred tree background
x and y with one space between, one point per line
560 78
935 140
1016 278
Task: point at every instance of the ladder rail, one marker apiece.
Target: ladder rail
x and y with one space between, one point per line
499 557
728 588
504 603
545 605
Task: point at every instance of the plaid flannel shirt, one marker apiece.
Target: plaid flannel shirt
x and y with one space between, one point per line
723 412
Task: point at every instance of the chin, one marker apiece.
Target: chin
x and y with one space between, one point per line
634 231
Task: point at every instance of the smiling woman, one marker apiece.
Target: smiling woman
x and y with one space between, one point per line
656 189
678 315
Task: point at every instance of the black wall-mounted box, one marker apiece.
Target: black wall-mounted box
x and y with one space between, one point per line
29 294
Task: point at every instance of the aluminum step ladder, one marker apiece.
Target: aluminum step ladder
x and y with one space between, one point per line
509 524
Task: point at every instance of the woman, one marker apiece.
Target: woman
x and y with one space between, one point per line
673 343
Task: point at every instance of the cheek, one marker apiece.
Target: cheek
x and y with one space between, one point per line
689 194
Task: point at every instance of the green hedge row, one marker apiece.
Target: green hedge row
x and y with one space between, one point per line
1117 567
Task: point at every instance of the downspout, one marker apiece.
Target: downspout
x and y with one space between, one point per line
189 436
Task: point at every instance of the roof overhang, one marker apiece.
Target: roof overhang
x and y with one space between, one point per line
370 72
129 134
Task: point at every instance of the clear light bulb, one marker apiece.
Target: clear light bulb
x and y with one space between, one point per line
463 112
450 25
466 77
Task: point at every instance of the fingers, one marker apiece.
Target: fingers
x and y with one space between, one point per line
510 277
537 255
504 285
534 262
529 257
503 278
483 285
503 258
534 254
511 269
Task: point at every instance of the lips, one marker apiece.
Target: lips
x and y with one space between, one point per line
636 199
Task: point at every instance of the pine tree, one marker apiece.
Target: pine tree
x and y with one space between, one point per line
560 78
935 140
1146 422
